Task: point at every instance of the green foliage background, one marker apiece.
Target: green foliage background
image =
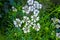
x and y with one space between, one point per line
9 32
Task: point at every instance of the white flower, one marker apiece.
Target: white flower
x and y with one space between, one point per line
31 8
17 22
58 35
58 21
35 18
26 29
55 20
30 2
26 9
29 24
14 9
36 12
57 26
37 5
36 26
25 19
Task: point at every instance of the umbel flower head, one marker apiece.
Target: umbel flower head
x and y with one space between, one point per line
17 22
36 12
30 2
25 19
36 26
26 29
32 6
26 9
57 26
37 5
55 20
32 21
34 18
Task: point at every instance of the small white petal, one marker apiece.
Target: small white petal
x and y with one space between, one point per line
24 17
19 25
28 30
33 27
13 7
15 23
34 20
37 30
40 6
25 31
52 19
32 23
17 19
23 7
27 18
31 16
58 21
23 21
37 18
38 25
27 12
23 11
23 28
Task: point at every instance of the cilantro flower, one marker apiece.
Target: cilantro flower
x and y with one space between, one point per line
37 5
17 22
55 20
31 8
34 18
36 26
30 2
36 12
26 29
58 21
57 26
25 19
26 9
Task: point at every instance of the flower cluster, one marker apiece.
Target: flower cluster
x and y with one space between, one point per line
32 6
34 18
32 21
17 22
36 26
27 23
56 22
